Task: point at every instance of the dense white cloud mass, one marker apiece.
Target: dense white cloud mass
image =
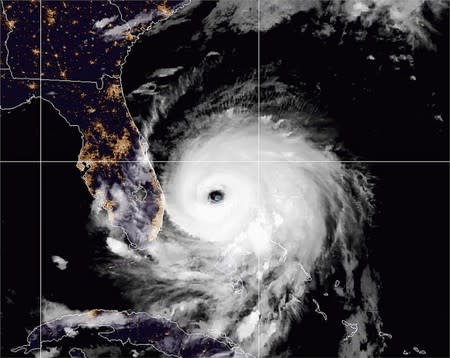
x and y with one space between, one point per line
403 15
60 262
121 249
254 211
262 218
100 24
50 353
53 310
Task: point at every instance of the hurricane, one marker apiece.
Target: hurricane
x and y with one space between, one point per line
263 222
265 239
255 179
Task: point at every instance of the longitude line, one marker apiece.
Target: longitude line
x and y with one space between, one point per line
259 274
40 178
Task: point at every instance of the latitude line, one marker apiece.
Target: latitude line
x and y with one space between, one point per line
24 162
259 162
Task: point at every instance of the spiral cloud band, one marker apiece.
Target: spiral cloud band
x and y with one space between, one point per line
258 219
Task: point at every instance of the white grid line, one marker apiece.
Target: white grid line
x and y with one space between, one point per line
258 161
40 179
227 161
258 191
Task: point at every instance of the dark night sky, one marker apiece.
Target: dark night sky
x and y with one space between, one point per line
409 241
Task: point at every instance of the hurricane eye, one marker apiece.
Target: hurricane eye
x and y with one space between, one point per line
216 196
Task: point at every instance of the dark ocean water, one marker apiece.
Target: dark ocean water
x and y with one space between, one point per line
381 115
384 110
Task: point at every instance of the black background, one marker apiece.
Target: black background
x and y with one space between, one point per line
409 242
409 248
